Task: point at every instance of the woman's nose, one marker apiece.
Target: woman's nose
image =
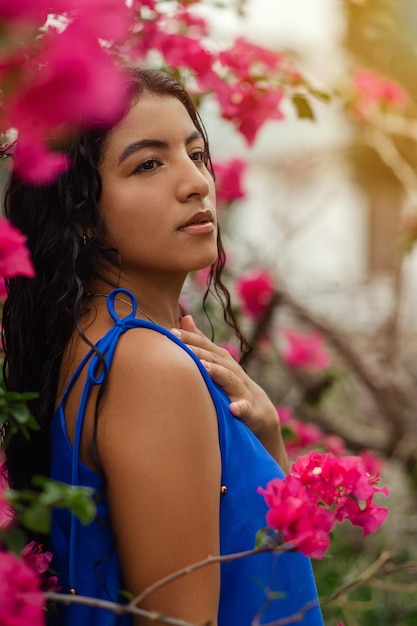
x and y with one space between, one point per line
194 180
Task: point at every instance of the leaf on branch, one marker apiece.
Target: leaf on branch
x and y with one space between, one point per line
15 415
303 107
13 539
34 507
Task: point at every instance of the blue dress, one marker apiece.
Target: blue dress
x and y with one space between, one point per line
85 556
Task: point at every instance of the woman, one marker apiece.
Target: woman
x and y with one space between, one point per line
166 428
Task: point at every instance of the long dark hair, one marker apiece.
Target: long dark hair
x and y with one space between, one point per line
63 227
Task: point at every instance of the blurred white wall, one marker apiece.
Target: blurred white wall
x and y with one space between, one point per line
303 217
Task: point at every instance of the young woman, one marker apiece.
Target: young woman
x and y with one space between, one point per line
134 402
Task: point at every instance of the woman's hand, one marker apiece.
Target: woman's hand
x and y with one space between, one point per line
249 402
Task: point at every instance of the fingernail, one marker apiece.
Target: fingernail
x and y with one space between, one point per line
176 332
206 364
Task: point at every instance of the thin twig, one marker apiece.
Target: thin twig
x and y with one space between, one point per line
195 566
118 609
363 578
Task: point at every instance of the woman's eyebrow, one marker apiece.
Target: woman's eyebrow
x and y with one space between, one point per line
135 146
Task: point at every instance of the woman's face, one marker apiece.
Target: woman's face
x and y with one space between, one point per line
158 198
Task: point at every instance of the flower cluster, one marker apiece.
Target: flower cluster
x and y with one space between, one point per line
319 491
49 84
248 81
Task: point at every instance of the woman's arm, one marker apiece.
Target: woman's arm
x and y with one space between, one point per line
158 443
249 403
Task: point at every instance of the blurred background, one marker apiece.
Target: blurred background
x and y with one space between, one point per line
329 216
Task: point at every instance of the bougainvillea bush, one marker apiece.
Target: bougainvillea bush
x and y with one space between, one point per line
51 86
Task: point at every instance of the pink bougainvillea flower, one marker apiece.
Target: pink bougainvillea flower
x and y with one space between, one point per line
247 59
38 561
14 255
70 85
229 176
371 90
107 19
372 464
231 349
7 516
35 558
343 484
21 599
305 350
299 520
34 162
248 105
66 85
300 436
334 444
184 51
320 490
3 295
31 10
255 290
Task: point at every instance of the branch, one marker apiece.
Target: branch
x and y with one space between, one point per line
377 567
118 609
195 566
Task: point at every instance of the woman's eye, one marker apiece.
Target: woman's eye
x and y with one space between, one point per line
147 166
199 156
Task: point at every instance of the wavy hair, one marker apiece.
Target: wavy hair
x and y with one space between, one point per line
40 314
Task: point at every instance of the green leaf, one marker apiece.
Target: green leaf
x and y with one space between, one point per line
37 517
13 539
302 107
34 507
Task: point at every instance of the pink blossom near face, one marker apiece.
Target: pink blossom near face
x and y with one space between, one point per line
229 179
65 85
305 350
255 291
21 600
249 106
14 255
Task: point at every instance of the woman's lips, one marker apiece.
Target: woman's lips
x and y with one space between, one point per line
200 223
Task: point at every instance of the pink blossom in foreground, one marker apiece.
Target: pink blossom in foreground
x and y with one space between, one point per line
300 521
320 490
38 561
6 512
229 176
14 255
340 483
21 600
255 290
31 10
305 350
61 85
